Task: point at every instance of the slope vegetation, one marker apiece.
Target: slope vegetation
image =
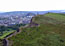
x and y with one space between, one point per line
49 32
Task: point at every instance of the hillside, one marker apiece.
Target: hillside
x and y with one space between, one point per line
49 32
51 18
1 43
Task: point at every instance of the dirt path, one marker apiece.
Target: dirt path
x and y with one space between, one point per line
6 41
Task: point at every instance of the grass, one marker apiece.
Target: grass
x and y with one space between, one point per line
6 33
45 35
54 18
59 17
1 43
49 33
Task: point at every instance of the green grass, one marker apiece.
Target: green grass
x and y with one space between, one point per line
6 33
59 17
47 34
1 43
54 18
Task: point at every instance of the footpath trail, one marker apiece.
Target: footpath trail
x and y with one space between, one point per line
6 41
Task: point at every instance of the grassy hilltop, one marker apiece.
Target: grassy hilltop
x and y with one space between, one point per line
50 32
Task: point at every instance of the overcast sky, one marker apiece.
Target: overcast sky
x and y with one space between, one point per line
31 5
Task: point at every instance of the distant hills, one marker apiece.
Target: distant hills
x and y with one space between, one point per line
24 13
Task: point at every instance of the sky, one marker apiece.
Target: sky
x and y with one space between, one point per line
31 5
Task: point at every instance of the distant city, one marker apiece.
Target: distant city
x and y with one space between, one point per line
9 20
18 17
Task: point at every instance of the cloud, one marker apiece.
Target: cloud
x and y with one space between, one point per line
31 5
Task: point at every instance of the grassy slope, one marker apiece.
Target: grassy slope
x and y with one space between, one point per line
49 33
6 33
51 18
1 43
59 17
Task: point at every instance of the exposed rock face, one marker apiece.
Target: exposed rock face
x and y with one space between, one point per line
32 23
